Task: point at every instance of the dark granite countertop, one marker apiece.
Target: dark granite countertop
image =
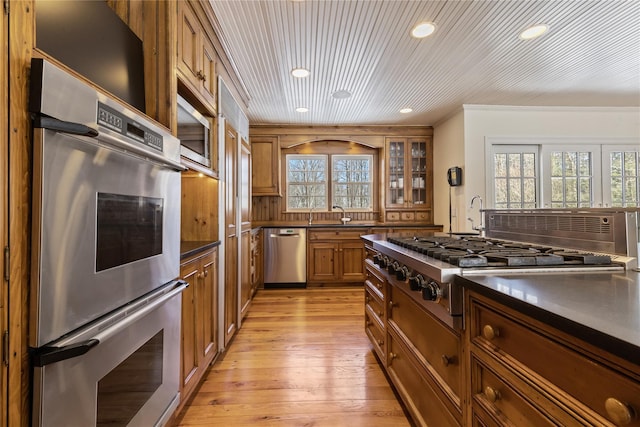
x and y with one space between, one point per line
349 225
602 308
191 248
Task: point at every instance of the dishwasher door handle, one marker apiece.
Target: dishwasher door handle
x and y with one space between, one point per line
284 235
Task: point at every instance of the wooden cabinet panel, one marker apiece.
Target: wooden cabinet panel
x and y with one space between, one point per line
231 289
245 273
231 176
566 380
265 166
196 57
352 256
417 392
437 345
244 179
199 330
322 265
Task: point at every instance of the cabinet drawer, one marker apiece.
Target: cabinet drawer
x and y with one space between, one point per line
416 391
376 334
422 216
437 344
591 383
407 216
375 283
501 401
393 216
335 235
373 302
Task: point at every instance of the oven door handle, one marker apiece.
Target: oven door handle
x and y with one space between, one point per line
47 355
64 127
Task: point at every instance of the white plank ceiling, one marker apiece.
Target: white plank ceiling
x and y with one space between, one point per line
589 57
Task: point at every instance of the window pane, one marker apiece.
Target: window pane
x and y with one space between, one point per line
556 164
571 190
616 164
631 164
515 192
306 182
529 195
585 164
500 161
557 193
501 191
352 186
569 163
528 164
585 191
616 191
514 164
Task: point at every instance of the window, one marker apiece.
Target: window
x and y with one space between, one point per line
572 178
306 182
352 182
515 177
308 177
558 175
622 173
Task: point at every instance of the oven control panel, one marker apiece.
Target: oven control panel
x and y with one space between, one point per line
128 127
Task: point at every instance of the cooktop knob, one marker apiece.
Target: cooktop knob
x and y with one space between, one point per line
402 273
383 261
393 267
416 282
431 291
376 259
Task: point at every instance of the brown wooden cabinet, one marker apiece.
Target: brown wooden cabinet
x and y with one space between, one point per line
199 344
196 62
257 277
246 288
526 373
265 166
335 256
408 179
375 306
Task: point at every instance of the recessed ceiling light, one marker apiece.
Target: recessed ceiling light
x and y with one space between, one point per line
534 31
300 72
423 30
406 110
302 109
341 94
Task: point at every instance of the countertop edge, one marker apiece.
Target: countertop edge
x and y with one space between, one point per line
191 248
611 344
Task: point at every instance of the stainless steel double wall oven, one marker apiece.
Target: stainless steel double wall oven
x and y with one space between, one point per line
105 299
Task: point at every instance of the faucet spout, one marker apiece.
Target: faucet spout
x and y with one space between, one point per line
479 228
310 215
345 219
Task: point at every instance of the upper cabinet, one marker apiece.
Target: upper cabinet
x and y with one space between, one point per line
265 151
408 179
196 64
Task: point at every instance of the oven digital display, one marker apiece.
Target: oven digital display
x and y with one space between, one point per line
129 228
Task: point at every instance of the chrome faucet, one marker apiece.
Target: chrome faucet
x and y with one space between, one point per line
479 228
310 215
345 219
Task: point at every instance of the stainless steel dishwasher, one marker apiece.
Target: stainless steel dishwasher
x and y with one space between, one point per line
285 258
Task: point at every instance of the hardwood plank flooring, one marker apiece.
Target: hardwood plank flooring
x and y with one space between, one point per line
301 358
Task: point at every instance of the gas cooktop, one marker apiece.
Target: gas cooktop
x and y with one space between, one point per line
470 252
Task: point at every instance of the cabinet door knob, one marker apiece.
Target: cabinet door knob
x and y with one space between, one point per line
619 412
489 332
391 305
392 356
201 275
380 342
380 314
445 360
491 394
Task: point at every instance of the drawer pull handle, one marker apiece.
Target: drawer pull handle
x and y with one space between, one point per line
489 332
445 360
392 356
380 342
366 299
380 314
619 412
392 304
491 394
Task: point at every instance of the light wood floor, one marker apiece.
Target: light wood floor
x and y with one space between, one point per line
301 359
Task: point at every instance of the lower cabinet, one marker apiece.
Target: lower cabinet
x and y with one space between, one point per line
335 256
199 344
231 289
246 286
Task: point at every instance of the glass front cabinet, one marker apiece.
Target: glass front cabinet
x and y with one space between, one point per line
409 171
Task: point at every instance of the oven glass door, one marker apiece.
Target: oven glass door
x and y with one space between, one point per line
129 379
106 231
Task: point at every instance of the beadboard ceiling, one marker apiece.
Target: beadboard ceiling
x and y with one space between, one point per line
589 57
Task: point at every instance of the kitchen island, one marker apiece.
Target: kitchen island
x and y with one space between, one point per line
534 349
